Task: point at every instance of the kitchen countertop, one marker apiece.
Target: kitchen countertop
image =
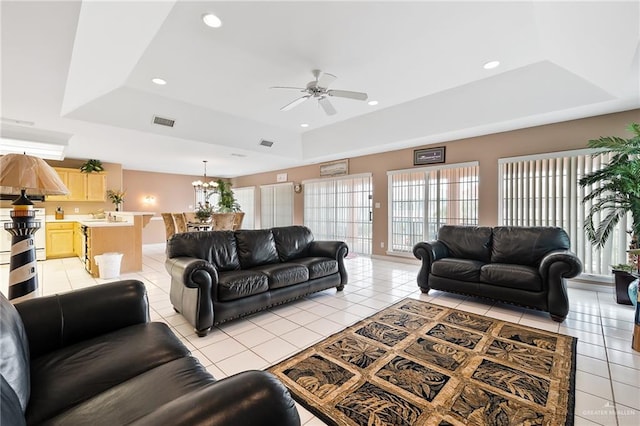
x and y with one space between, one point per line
87 221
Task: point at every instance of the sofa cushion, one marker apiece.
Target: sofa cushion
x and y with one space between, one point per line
256 247
526 245
76 373
519 277
234 285
284 274
318 266
140 395
292 242
457 269
216 247
467 242
14 352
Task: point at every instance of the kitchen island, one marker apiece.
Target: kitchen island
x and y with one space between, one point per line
121 234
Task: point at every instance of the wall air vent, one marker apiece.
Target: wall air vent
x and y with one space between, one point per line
161 121
266 143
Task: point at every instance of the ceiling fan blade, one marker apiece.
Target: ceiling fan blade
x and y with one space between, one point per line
325 80
326 106
295 103
360 96
287 87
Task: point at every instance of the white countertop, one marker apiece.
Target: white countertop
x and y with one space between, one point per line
88 221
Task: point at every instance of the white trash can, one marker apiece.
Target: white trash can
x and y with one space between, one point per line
109 265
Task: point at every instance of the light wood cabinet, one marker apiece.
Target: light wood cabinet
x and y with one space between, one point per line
64 177
60 239
82 186
96 186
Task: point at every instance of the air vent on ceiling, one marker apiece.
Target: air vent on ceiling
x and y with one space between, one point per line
266 143
161 121
234 154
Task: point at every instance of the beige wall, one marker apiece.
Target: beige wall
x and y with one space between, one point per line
171 193
485 149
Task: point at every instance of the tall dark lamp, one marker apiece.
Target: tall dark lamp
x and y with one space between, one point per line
20 173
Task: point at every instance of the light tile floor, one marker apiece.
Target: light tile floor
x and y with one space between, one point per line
608 370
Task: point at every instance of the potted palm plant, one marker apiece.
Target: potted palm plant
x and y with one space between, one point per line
615 194
227 202
228 214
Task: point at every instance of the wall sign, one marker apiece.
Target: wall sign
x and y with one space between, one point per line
428 156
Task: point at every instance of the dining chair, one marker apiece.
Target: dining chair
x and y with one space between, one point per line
169 225
181 224
223 221
237 220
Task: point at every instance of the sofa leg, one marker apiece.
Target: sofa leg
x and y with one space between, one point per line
175 309
340 287
424 290
202 333
558 318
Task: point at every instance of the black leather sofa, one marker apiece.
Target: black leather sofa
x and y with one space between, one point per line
90 357
521 265
218 276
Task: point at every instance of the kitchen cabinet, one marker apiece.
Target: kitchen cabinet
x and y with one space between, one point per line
96 186
60 239
82 186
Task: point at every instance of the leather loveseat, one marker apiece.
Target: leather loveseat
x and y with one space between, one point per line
90 357
217 276
521 265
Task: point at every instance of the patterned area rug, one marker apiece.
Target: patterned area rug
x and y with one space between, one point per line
416 363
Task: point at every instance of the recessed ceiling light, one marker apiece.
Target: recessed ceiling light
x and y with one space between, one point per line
304 125
159 81
372 103
211 20
491 65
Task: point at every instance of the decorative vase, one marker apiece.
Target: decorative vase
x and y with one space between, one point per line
633 291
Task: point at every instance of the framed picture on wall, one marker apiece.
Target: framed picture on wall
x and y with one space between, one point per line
336 168
428 156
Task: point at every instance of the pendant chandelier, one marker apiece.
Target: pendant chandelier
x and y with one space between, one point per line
207 188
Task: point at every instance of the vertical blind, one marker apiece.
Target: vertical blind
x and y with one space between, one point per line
422 200
246 200
340 209
544 191
276 205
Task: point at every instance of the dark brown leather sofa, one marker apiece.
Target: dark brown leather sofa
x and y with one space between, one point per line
218 276
90 357
521 265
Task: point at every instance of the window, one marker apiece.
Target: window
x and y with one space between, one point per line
276 205
213 198
340 209
246 199
421 200
543 190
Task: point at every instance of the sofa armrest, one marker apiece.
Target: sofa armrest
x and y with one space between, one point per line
254 398
554 268
53 322
192 272
337 250
571 265
428 252
193 287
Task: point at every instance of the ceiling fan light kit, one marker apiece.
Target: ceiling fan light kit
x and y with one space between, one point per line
318 89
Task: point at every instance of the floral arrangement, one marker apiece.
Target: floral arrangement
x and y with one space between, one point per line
116 196
204 211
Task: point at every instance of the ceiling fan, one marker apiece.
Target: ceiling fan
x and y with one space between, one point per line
318 89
